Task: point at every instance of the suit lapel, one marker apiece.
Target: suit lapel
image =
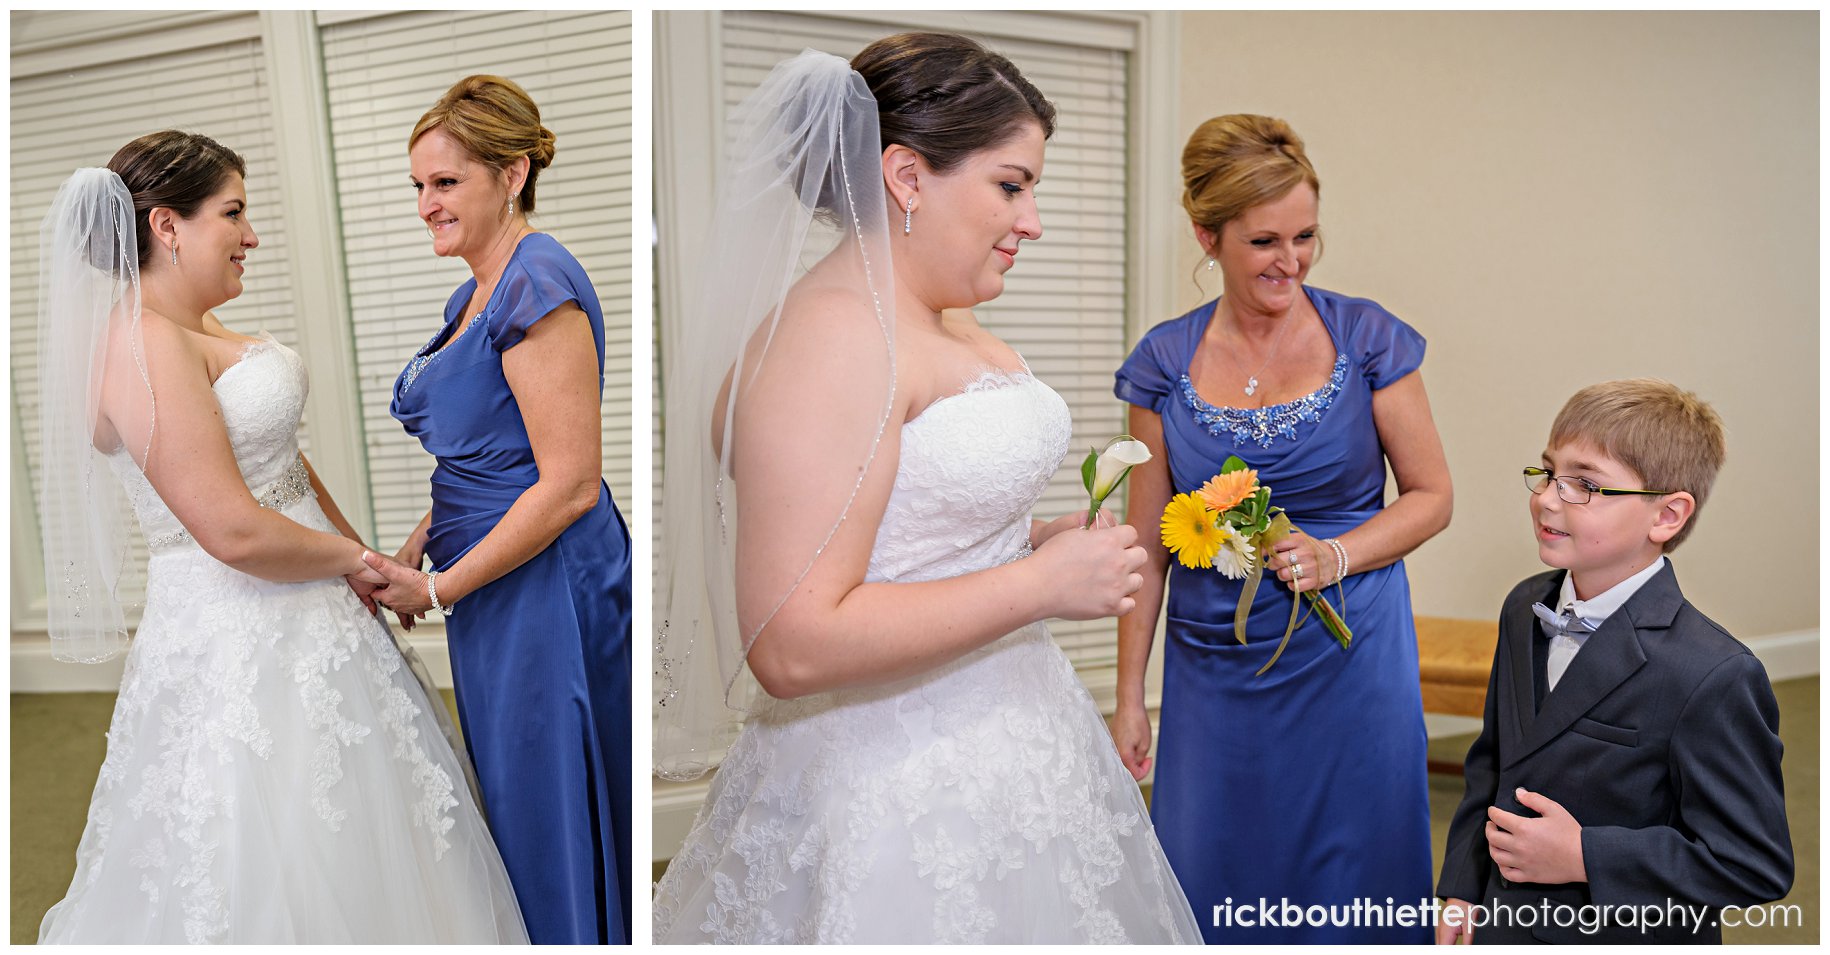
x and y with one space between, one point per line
1518 628
1611 655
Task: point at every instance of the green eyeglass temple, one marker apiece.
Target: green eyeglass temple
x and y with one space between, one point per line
1535 478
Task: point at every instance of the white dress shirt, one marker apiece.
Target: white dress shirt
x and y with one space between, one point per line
1564 646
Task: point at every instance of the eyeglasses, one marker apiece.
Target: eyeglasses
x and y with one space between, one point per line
1575 490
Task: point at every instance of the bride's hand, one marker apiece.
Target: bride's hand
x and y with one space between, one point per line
362 589
1092 572
1071 522
1131 736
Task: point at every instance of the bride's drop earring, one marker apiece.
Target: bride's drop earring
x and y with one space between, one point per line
174 253
1210 263
908 216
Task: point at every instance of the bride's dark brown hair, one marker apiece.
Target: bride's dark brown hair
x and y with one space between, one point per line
947 97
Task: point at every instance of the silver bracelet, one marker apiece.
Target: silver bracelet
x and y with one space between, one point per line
432 592
1340 558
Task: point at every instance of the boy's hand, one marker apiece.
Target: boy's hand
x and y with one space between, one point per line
1455 929
1545 850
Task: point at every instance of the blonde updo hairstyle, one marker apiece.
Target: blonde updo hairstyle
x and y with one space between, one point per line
1238 161
495 121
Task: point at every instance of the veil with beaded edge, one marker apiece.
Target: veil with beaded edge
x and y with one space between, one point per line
89 338
801 184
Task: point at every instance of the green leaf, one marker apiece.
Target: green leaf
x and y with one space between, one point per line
1088 468
1233 463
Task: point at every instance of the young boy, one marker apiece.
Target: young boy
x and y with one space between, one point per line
1628 759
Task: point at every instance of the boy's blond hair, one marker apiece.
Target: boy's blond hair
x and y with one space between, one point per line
1671 438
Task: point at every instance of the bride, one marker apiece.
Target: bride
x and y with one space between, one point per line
854 535
275 771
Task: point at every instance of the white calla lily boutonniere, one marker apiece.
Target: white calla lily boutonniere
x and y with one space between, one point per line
1103 471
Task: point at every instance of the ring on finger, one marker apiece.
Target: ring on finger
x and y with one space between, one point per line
1296 570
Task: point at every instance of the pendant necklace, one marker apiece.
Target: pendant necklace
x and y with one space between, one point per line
1251 381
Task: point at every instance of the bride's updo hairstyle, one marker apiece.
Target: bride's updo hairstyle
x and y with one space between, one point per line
946 97
497 123
1238 161
174 170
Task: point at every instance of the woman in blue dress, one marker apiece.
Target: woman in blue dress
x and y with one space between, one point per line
530 559
1306 784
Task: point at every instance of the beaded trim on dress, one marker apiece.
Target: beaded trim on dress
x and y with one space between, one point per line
1262 426
287 490
419 362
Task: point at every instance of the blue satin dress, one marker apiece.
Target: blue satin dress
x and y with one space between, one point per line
540 655
1306 784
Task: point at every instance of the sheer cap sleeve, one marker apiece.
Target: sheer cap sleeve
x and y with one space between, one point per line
1149 375
1380 343
538 281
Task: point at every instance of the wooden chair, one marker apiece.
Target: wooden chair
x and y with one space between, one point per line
1454 660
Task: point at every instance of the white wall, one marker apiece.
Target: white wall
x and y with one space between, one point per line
1556 199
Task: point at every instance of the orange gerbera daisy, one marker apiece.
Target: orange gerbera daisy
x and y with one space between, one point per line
1227 490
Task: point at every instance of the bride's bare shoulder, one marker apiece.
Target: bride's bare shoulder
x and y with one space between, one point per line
170 352
828 315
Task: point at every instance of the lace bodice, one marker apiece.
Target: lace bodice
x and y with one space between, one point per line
973 464
262 398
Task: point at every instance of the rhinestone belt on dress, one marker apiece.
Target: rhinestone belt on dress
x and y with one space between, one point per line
289 489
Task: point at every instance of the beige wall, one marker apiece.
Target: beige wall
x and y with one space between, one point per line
1555 199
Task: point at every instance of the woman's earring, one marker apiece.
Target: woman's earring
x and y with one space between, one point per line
511 204
908 216
1210 263
174 253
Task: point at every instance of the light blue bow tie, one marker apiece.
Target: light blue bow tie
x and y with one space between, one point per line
1562 623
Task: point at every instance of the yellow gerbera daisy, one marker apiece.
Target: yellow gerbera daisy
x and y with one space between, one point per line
1189 531
1227 490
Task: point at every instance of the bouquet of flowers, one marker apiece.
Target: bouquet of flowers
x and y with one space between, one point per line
1229 525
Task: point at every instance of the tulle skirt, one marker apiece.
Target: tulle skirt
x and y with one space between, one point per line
276 773
982 802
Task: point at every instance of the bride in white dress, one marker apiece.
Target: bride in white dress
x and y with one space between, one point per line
275 770
923 764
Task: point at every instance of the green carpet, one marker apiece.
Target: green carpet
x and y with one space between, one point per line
1798 708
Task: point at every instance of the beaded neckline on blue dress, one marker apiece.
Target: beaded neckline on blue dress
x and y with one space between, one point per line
1262 426
420 361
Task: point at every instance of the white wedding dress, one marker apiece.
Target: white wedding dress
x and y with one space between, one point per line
275 772
979 802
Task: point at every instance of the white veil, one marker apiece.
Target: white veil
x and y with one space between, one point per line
88 323
802 185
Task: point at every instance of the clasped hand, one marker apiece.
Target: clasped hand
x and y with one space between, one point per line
391 584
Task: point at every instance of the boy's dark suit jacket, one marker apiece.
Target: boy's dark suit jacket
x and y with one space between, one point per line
1661 739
